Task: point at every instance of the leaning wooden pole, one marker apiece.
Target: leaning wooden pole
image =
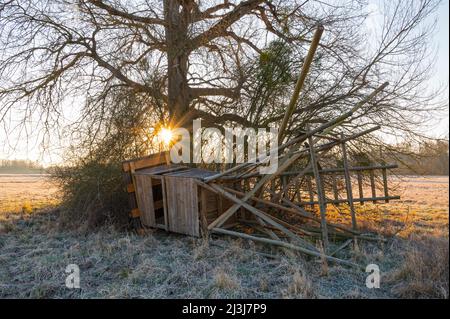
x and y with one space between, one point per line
324 128
385 185
348 183
285 244
300 82
320 195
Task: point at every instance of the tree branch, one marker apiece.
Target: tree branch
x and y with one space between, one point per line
129 16
203 91
220 27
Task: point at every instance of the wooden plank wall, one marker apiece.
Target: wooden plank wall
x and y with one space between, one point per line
212 205
144 197
182 205
129 167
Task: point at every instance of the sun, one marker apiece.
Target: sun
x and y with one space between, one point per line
166 135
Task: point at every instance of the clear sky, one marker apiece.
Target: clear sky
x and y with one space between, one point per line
30 148
441 74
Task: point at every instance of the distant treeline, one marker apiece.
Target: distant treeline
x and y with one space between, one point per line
20 167
424 158
427 158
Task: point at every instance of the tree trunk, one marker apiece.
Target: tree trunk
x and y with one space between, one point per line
177 59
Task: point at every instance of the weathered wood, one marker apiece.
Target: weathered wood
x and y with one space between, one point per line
348 184
301 80
147 161
331 124
335 188
320 195
324 171
286 163
326 127
284 186
285 244
129 169
293 181
310 190
300 211
132 202
164 200
298 188
203 212
349 233
148 205
182 205
145 201
290 226
305 151
267 203
372 185
286 224
264 216
360 186
266 230
130 188
385 185
272 187
355 200
356 168
341 247
135 213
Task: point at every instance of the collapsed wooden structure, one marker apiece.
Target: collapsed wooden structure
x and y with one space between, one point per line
287 209
277 209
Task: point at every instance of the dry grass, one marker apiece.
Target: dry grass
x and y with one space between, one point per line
423 208
35 252
424 272
224 281
300 287
117 265
23 193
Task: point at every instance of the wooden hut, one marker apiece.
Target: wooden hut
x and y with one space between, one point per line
167 196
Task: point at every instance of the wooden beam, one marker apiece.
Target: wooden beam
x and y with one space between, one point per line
345 244
264 229
385 185
262 158
372 185
360 186
335 188
265 217
203 212
297 187
300 211
355 200
269 203
292 182
301 80
310 190
322 171
320 195
130 188
144 162
287 162
287 245
326 128
348 184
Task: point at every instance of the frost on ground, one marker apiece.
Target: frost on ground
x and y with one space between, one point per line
34 254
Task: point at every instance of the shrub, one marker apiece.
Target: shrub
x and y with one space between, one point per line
93 194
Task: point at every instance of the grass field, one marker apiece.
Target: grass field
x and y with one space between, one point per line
26 193
34 253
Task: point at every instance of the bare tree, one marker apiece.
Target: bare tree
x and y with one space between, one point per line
185 59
